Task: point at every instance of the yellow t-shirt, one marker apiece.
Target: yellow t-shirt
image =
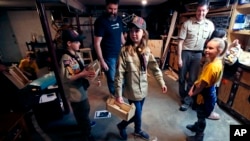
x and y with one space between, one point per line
210 73
26 65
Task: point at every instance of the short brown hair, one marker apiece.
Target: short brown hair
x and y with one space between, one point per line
112 2
203 3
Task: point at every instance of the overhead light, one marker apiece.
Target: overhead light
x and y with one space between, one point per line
123 14
144 2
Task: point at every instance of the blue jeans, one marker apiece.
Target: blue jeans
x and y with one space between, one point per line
110 74
204 110
190 65
137 117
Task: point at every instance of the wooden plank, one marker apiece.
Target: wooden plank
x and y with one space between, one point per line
218 10
227 13
170 33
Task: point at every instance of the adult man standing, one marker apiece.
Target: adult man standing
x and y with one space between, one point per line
192 37
108 39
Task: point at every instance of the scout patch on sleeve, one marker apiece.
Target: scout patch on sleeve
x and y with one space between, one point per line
66 63
72 66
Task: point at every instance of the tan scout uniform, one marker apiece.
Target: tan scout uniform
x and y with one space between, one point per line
195 33
136 83
74 90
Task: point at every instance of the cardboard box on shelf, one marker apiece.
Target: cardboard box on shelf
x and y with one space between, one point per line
123 111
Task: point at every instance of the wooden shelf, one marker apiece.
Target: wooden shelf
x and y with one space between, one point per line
241 32
219 14
217 11
234 95
244 8
229 8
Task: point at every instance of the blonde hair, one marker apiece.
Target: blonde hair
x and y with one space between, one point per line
222 45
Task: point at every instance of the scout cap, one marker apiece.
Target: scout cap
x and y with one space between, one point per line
71 35
139 22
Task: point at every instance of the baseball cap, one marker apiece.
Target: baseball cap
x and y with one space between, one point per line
139 22
71 35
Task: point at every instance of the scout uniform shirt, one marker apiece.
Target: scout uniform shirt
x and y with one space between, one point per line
195 33
74 90
131 79
210 73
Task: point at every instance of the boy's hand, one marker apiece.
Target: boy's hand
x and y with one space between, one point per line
164 89
190 93
89 74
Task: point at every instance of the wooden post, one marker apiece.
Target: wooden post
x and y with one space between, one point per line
170 33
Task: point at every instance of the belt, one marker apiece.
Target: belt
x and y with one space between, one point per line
194 51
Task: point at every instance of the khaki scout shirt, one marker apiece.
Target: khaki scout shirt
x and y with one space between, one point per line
135 81
195 33
74 90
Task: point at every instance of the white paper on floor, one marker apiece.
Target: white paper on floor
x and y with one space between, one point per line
102 114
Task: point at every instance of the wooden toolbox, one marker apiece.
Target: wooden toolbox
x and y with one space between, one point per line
16 76
123 111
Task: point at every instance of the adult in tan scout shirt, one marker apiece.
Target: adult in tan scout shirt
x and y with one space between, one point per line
192 37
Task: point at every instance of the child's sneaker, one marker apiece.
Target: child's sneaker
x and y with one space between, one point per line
142 134
192 128
122 132
92 123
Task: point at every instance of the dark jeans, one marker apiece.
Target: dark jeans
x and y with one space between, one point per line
204 110
200 124
137 117
81 112
110 74
190 65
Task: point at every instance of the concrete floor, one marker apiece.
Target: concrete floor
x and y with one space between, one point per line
161 118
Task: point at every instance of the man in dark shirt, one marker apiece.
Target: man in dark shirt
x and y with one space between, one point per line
108 40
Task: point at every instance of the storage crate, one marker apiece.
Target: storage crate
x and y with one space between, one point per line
16 76
241 102
121 110
245 78
225 90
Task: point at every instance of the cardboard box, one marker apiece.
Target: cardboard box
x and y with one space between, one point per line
123 111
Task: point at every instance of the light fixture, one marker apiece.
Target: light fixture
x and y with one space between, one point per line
144 2
123 14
